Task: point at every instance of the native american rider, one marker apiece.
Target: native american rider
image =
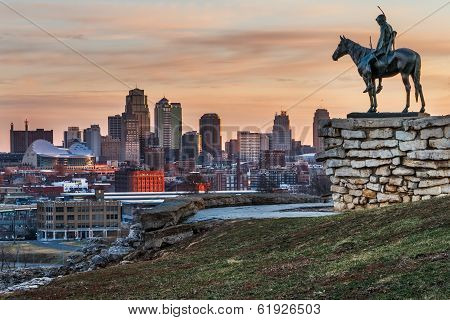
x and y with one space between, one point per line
384 47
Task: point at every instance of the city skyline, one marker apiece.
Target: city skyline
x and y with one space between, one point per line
259 58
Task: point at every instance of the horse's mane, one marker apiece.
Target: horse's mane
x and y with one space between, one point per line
356 50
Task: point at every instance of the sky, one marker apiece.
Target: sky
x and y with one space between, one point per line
244 60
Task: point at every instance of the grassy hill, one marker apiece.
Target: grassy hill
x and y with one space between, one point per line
397 252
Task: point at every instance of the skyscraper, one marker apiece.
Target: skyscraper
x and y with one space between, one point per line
136 105
92 137
168 120
249 146
191 145
320 114
210 132
21 140
281 132
73 134
129 140
115 126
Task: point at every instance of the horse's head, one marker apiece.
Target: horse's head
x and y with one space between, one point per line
341 49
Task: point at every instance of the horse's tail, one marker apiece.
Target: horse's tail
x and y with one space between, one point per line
417 77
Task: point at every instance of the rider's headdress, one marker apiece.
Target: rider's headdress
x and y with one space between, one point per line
381 17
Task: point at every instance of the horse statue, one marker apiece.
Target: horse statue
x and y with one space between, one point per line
404 61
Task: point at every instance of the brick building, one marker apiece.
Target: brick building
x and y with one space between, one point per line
136 180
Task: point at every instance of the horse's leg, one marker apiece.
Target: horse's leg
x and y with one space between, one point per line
367 82
422 99
405 78
374 96
380 87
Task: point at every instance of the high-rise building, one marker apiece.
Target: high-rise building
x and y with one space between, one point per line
92 137
154 158
115 126
249 146
168 119
136 105
320 114
73 134
232 149
129 141
110 149
21 140
191 145
210 132
281 132
265 141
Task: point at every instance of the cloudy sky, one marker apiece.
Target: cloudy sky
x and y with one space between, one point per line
244 60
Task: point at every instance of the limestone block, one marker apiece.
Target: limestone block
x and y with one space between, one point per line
447 132
384 180
369 193
348 124
377 154
406 199
430 154
338 189
378 144
350 205
377 163
426 122
415 198
396 181
332 142
413 145
431 133
336 163
396 161
441 173
384 133
329 171
428 191
363 200
355 193
411 178
348 198
403 171
390 188
358 180
331 153
397 152
383 171
351 186
353 134
443 143
334 180
340 206
373 186
402 189
329 132
350 172
433 182
388 197
405 135
351 144
412 185
421 164
446 188
356 200
356 164
427 197
373 179
336 196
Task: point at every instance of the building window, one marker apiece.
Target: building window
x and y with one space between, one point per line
59 218
59 209
70 217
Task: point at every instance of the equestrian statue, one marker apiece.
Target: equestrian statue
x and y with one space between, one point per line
383 62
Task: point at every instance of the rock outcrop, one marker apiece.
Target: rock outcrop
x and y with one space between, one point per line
374 162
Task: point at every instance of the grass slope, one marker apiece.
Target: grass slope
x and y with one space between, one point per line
397 252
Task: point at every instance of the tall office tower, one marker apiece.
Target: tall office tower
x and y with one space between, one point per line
115 126
93 139
168 128
265 141
110 149
210 132
191 145
249 146
129 140
232 149
281 132
73 134
154 158
21 140
136 105
320 114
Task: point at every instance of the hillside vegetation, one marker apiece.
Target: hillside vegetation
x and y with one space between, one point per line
396 252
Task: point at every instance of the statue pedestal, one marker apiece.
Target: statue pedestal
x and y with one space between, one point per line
382 115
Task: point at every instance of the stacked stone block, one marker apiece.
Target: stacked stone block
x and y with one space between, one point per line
376 162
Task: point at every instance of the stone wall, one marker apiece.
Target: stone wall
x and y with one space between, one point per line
375 162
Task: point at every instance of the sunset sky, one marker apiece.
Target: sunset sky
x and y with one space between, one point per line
244 60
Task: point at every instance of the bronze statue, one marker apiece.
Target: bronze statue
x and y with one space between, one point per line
383 62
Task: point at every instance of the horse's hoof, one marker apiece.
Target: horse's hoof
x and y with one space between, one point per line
405 110
379 89
422 110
